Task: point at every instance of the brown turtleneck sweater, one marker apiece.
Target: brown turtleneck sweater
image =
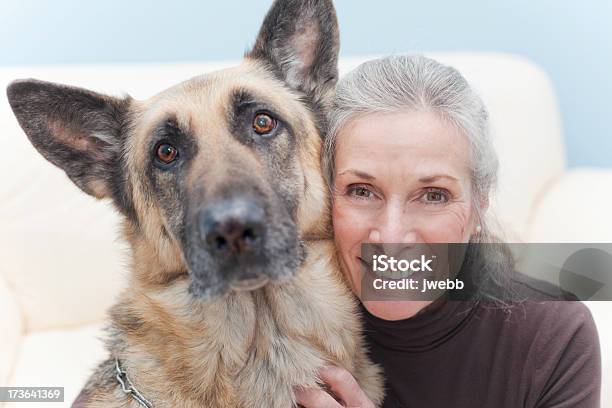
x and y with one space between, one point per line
460 354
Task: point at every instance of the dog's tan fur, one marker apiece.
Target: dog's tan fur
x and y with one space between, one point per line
233 352
246 349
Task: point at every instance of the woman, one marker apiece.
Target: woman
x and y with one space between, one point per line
409 160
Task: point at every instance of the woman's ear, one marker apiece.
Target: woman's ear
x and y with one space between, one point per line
484 204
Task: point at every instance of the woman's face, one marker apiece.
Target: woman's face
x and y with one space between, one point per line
399 178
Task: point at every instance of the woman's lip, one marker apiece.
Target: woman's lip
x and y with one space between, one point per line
402 275
363 262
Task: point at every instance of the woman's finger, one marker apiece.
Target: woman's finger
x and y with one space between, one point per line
344 385
315 398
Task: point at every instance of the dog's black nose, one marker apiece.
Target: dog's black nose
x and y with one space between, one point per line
232 227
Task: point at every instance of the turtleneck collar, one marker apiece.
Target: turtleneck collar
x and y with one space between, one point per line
434 325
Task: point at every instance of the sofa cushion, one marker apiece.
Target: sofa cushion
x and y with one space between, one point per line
58 358
11 328
575 208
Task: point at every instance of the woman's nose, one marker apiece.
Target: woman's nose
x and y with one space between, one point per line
393 226
407 237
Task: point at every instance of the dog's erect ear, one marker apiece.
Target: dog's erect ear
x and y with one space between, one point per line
77 130
300 39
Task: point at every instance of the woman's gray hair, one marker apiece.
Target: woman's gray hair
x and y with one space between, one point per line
401 82
414 82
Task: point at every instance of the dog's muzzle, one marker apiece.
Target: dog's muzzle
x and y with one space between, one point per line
232 228
233 232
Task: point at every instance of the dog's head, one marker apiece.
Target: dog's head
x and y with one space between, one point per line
218 176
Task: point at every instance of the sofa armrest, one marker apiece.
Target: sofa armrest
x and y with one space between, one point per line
575 208
11 327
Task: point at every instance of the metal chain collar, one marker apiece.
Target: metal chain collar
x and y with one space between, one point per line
128 388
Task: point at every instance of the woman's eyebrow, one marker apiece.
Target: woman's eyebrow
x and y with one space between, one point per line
357 173
431 179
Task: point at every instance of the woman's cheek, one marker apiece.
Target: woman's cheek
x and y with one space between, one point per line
344 221
349 233
448 225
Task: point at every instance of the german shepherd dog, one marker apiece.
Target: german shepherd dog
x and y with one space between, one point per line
235 296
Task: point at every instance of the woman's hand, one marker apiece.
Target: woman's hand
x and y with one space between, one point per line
342 384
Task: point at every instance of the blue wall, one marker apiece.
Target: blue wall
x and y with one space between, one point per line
572 40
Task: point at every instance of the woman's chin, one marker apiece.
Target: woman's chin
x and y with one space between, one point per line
394 309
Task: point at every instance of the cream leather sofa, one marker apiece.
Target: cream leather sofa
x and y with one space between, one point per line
62 263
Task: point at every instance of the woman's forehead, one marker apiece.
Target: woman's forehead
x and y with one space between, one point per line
419 140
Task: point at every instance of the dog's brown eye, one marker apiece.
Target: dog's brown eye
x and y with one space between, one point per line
263 123
166 153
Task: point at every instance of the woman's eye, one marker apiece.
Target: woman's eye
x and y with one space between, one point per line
166 153
360 192
435 196
263 123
